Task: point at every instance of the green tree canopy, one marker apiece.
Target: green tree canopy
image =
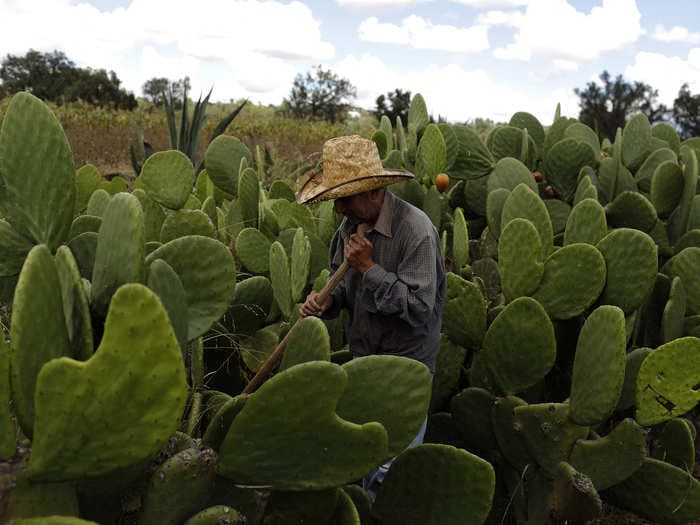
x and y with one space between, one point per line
686 113
157 88
54 77
321 94
394 104
608 106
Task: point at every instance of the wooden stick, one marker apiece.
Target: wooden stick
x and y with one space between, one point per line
276 356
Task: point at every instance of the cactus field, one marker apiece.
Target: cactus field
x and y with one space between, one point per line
568 376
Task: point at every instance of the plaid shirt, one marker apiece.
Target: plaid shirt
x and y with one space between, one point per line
395 307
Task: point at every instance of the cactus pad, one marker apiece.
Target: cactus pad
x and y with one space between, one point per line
167 178
37 302
574 277
519 264
308 342
253 249
464 312
315 449
98 432
526 204
471 413
436 484
631 262
519 346
630 209
667 381
401 409
13 249
676 444
586 223
36 160
186 222
562 164
206 270
7 427
223 161
217 515
163 280
613 458
121 238
599 366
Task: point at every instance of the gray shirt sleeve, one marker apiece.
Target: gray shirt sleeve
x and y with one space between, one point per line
410 292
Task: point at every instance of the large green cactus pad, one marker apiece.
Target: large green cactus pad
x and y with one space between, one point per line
300 265
308 342
37 303
186 222
586 223
675 444
599 366
400 409
315 449
217 515
525 203
471 412
660 492
87 180
519 346
167 178
206 269
436 484
251 304
562 164
646 171
37 177
84 424
631 262
613 458
163 280
511 442
280 278
574 277
253 249
630 209
473 158
519 263
120 250
509 173
667 381
223 161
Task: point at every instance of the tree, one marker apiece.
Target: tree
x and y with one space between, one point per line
321 94
686 113
156 89
54 77
606 108
394 104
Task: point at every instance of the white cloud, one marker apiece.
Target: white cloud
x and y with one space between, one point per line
492 4
675 34
555 30
452 91
255 39
666 74
500 18
368 4
420 33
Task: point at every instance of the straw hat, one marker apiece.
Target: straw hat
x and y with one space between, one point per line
350 165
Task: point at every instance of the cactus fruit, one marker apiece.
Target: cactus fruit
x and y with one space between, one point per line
436 484
89 396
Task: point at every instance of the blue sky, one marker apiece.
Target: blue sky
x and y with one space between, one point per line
469 58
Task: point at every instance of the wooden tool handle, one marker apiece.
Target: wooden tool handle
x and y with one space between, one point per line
276 356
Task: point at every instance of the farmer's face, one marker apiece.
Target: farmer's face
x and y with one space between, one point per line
363 207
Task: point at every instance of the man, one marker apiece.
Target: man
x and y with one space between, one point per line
395 288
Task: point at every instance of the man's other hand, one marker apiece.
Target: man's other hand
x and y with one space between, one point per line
311 306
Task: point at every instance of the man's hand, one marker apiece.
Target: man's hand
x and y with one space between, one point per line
359 251
311 306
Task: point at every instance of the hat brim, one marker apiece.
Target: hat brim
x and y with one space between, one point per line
314 190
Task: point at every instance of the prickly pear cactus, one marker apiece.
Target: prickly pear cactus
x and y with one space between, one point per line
90 397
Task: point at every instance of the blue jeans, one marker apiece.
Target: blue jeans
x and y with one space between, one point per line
372 481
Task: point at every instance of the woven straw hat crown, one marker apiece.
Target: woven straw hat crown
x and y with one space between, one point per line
350 165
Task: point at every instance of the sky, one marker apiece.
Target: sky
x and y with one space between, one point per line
468 58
